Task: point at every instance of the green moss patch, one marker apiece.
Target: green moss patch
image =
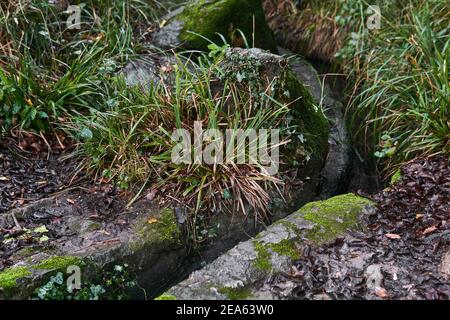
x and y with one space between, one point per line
310 121
9 277
262 261
333 217
213 17
57 262
161 229
166 297
235 293
286 248
396 176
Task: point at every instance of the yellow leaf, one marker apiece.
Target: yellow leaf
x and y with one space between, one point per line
29 102
152 220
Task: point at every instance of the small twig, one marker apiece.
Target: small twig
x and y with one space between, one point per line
16 221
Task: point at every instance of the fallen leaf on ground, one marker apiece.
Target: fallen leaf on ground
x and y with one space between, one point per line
429 230
392 236
381 292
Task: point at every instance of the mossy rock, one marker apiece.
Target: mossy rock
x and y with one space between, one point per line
160 229
57 263
208 18
10 276
310 121
19 281
236 293
166 297
333 217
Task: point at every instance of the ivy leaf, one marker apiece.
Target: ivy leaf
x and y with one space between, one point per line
86 133
41 229
44 239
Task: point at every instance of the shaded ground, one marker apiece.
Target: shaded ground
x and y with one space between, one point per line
29 173
404 254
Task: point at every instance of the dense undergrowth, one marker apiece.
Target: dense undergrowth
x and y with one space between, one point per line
49 70
55 78
398 89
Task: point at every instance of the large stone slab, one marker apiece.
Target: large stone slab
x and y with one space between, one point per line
240 272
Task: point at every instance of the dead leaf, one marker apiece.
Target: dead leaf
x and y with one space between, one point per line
429 230
3 178
392 236
104 232
121 222
381 292
71 201
152 220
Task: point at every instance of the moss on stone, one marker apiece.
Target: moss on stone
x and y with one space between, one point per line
263 257
286 248
209 18
166 297
164 231
57 263
93 226
333 217
309 119
9 277
235 293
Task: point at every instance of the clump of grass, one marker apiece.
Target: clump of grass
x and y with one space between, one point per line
400 105
48 70
398 89
309 27
132 143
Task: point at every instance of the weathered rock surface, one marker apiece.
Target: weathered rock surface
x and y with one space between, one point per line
94 242
188 26
335 174
240 273
148 70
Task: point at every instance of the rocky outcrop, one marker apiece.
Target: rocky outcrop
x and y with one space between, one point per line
191 27
241 272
